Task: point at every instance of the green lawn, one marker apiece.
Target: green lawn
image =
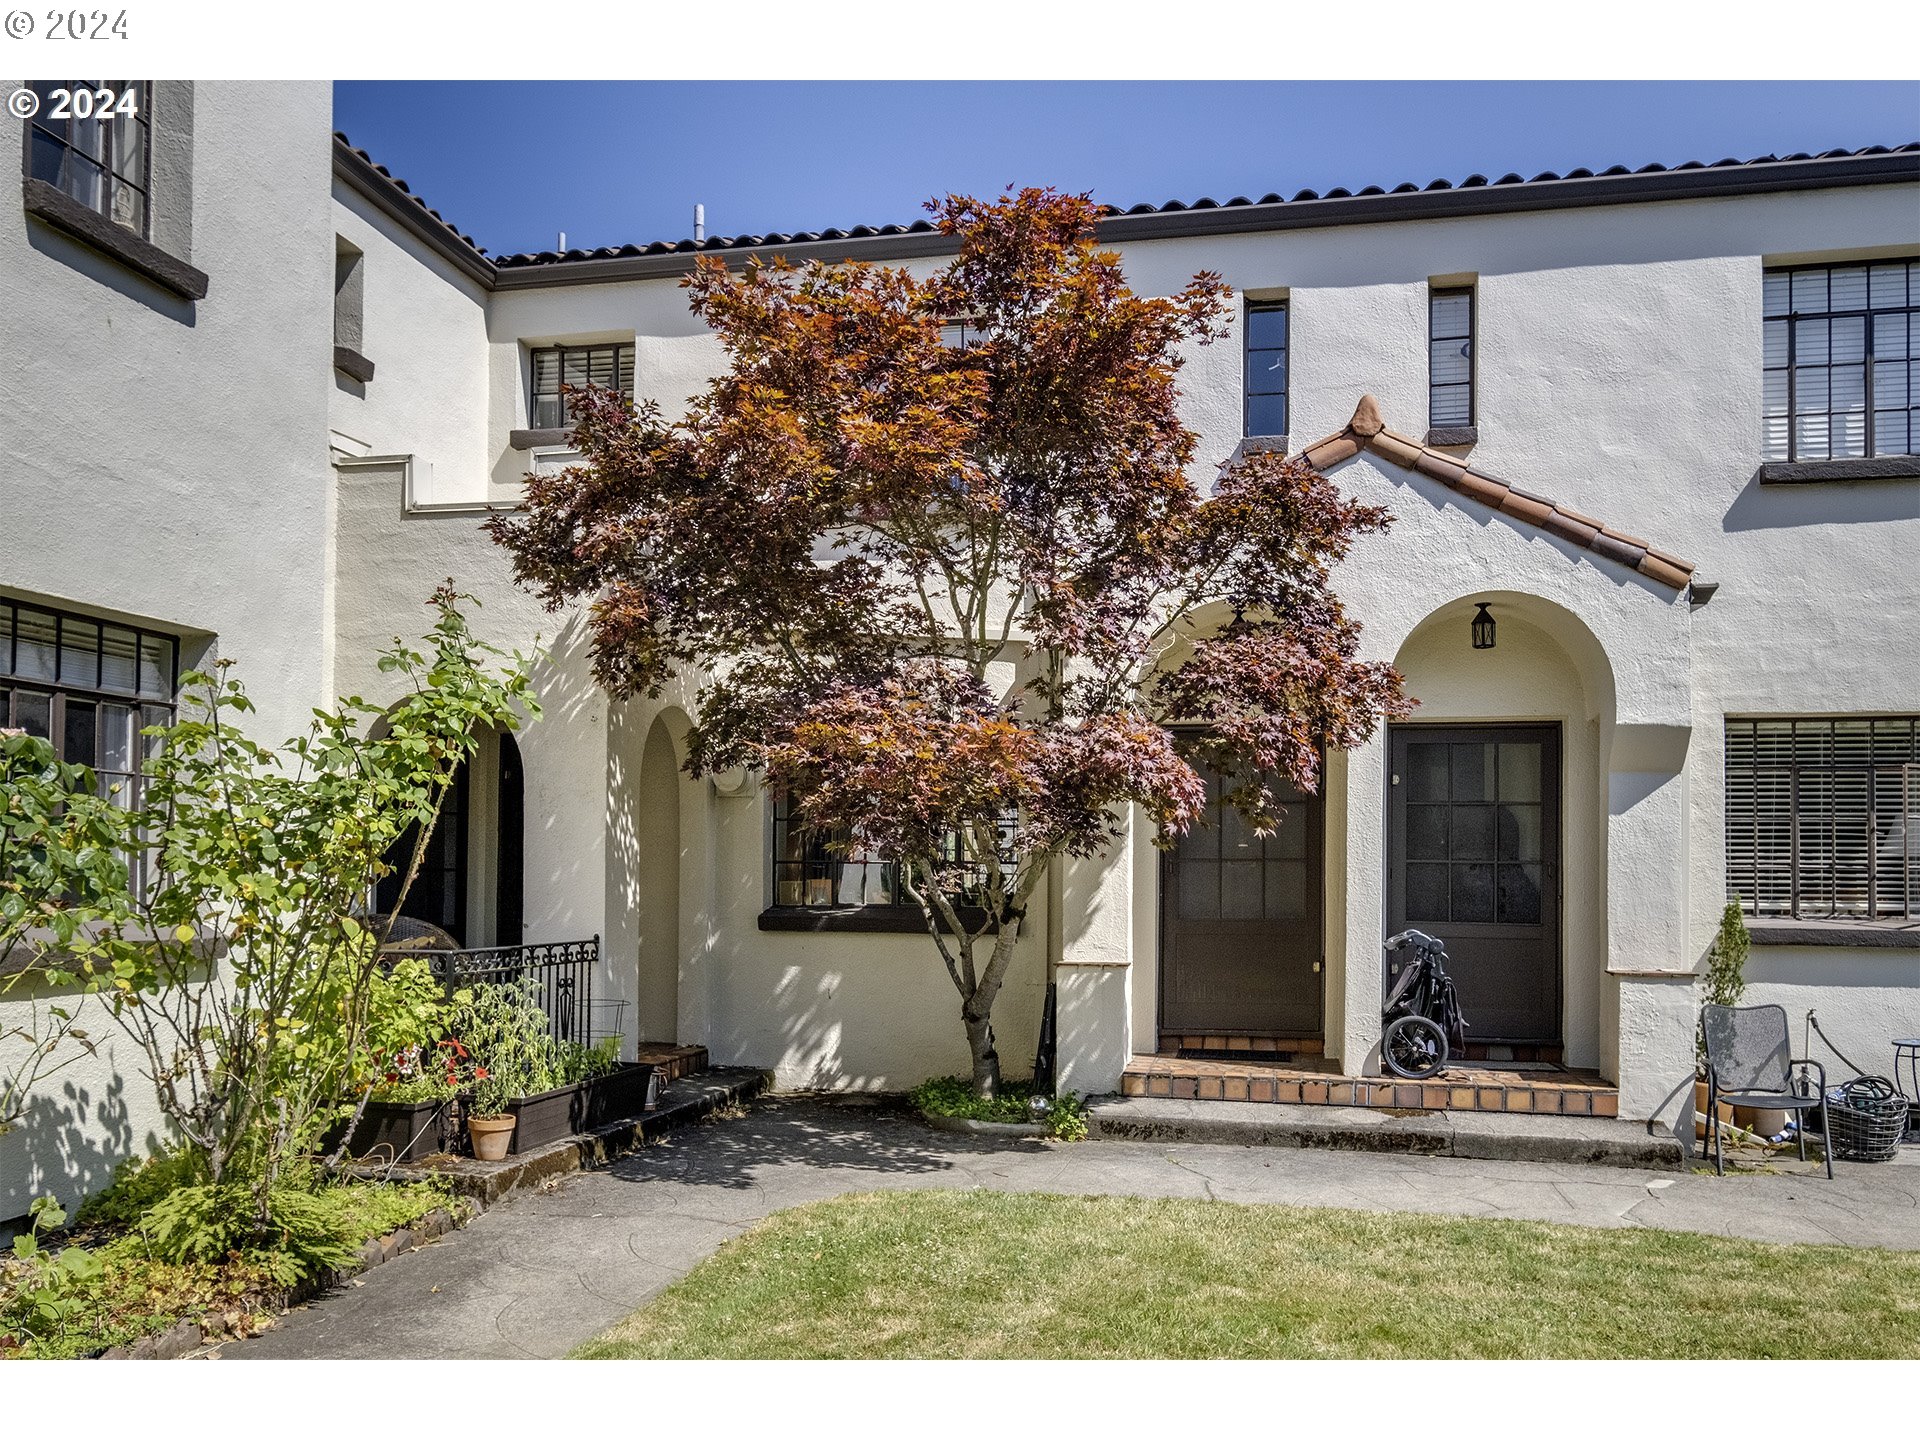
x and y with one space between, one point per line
965 1274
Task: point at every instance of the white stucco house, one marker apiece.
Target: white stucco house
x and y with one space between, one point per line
1661 426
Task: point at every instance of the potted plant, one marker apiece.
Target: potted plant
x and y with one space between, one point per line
409 1111
610 1089
504 1029
1726 982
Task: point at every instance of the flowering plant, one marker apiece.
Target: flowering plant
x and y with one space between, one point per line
436 1072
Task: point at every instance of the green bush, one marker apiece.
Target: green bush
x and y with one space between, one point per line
952 1095
509 1037
300 1234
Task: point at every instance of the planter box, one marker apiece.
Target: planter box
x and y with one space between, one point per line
390 1128
620 1095
543 1118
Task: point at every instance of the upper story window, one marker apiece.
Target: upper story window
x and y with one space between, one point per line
608 366
1840 351
1823 817
89 139
961 333
1450 358
89 686
1266 374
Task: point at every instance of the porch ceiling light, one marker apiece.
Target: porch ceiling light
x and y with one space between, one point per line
1482 627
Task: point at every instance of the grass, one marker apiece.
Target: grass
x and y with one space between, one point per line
983 1275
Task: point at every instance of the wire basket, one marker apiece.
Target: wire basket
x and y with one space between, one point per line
1866 1119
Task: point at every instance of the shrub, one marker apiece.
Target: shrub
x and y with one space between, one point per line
953 1095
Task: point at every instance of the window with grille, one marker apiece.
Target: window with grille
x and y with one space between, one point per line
1450 358
97 152
1266 378
1841 354
608 366
1823 818
818 868
89 687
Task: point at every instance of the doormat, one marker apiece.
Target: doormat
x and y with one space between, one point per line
1250 1057
1522 1067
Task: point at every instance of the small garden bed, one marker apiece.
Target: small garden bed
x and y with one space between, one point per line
951 1098
113 1294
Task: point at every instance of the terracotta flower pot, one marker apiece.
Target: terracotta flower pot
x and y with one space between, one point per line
1700 1111
491 1134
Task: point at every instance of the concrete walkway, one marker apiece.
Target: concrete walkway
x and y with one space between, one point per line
544 1271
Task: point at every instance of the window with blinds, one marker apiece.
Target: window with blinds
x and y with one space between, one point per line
1823 818
1841 358
90 687
1450 358
819 868
608 366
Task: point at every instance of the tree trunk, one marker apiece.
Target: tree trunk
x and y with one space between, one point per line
986 1060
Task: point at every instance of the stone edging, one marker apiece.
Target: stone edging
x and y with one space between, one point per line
190 1335
1011 1129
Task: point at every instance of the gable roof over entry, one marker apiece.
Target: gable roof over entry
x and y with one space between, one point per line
1367 431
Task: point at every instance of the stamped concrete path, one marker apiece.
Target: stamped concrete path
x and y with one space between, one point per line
537 1275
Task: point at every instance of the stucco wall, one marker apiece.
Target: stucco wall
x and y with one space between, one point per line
167 462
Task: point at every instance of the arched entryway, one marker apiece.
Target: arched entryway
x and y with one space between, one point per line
471 881
657 886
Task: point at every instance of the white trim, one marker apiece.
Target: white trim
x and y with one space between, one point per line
411 504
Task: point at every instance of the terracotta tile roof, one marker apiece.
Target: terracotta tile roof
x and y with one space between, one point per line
1367 431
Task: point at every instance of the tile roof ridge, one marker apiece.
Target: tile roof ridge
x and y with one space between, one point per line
1367 430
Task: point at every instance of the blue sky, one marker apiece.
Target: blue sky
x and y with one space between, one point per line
513 162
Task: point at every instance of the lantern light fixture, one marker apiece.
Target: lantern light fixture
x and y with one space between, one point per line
1482 628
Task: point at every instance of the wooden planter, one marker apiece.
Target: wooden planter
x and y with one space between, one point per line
390 1129
619 1095
543 1118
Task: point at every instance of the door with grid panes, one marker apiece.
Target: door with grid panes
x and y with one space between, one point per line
1473 857
1240 922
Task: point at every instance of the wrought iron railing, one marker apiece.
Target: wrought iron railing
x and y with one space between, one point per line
560 975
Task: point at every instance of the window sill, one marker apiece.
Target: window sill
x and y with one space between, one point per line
352 364
540 439
856 919
1442 436
1814 472
1849 934
96 231
39 950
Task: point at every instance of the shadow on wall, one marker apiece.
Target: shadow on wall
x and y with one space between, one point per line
1831 502
67 1144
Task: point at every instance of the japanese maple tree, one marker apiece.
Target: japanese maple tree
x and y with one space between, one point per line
939 553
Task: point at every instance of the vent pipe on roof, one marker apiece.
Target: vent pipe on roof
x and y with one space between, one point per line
561 243
699 223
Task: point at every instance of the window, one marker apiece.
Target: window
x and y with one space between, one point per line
1823 818
1266 379
1841 356
608 366
1450 358
101 159
814 868
961 333
89 686
349 295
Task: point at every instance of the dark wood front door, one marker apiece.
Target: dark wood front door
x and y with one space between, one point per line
1473 856
1240 923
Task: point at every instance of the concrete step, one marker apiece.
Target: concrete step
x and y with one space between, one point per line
1466 1134
681 1103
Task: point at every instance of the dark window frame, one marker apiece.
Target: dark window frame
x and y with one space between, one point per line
111 170
68 697
1787 809
562 416
1472 383
1791 318
1248 392
824 866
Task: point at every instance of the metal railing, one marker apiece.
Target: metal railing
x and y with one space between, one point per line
560 975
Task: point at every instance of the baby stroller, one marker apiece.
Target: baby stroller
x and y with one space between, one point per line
1422 1013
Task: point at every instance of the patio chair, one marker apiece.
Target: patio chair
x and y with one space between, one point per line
1749 1062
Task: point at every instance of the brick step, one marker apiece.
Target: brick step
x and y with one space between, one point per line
677 1061
1460 1087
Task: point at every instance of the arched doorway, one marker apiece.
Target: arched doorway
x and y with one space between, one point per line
471 882
657 887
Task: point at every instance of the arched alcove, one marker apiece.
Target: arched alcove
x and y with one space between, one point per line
657 886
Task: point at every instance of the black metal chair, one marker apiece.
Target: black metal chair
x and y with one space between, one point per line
1749 1062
